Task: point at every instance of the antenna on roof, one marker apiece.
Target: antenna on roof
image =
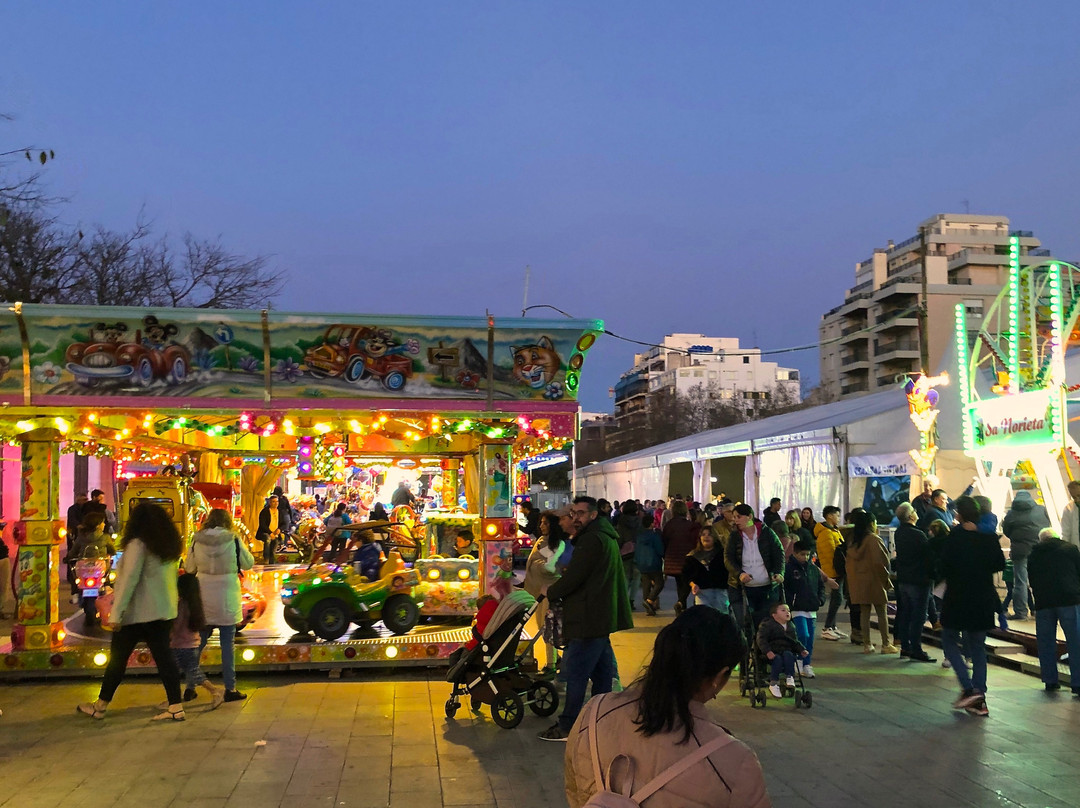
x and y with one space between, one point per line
525 297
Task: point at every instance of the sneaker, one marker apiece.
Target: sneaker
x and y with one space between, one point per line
234 695
978 708
774 688
808 671
868 649
553 733
839 633
830 634
789 682
969 699
888 650
945 664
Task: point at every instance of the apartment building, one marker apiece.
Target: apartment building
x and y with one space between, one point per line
871 340
684 361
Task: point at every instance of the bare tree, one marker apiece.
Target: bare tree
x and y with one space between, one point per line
37 257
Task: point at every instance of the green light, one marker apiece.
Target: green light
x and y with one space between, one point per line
1014 314
571 381
960 315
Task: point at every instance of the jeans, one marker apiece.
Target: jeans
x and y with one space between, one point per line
836 598
911 616
226 636
156 635
652 583
804 630
1020 587
1046 623
188 661
758 598
90 615
955 644
784 662
631 578
717 598
269 543
585 660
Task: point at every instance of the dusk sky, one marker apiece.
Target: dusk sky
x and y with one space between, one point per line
712 167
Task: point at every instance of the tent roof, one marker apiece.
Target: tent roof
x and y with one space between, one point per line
824 416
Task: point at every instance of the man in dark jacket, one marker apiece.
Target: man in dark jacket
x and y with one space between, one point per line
755 557
914 567
594 602
968 561
937 509
270 528
1021 526
1054 567
772 513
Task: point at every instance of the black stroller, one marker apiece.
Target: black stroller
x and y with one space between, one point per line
493 672
754 667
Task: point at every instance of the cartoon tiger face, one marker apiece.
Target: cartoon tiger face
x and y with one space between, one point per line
536 365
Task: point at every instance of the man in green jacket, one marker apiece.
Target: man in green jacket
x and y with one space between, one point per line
594 600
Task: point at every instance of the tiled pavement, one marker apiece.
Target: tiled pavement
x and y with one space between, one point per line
880 734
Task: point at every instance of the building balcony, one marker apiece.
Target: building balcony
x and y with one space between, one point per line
896 350
854 388
854 366
901 288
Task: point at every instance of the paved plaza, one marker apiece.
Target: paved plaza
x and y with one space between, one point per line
880 734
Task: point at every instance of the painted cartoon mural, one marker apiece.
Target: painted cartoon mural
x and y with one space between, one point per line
117 353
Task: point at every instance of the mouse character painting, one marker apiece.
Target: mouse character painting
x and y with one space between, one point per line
536 365
111 355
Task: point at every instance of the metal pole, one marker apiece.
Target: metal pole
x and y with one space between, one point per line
924 302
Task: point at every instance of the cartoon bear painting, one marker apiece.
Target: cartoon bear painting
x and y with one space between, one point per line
536 365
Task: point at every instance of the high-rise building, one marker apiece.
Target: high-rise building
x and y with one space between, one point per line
872 339
684 361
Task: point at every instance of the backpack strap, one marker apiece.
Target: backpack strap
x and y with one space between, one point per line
604 783
677 768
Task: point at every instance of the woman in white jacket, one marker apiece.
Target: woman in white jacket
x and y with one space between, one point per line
144 605
218 557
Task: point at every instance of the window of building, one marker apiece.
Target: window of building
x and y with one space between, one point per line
746 360
974 307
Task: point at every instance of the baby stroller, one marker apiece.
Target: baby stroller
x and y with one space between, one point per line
754 669
493 671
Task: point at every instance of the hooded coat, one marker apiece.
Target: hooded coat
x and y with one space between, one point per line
1022 524
868 572
213 557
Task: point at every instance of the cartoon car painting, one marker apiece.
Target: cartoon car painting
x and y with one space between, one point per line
360 352
110 356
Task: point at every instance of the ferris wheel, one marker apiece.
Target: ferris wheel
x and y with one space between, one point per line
1013 382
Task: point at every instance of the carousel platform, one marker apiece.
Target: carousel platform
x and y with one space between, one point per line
266 644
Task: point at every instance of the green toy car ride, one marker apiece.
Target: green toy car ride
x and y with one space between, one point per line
327 598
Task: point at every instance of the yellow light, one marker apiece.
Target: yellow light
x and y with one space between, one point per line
391 651
491 529
354 425
60 634
100 659
118 435
464 574
86 430
322 428
433 574
62 532
248 655
92 417
383 419
62 425
25 426
287 425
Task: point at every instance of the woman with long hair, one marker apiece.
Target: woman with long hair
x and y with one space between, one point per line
144 606
219 557
541 571
868 579
661 720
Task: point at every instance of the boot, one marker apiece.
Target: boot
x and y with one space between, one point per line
217 694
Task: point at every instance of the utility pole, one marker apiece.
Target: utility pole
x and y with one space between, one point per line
924 334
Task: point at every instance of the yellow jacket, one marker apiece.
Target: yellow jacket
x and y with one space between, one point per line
827 539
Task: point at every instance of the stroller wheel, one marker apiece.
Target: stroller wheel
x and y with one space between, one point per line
451 707
759 700
508 710
808 699
543 698
789 692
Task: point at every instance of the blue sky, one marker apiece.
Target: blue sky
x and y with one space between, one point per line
666 167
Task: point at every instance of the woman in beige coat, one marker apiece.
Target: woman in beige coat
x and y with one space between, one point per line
662 720
868 579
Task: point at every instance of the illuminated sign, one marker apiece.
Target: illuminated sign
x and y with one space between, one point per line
544 460
1024 419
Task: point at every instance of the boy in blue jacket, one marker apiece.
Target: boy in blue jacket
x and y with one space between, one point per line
804 590
649 559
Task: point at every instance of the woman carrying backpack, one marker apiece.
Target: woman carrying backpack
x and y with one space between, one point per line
658 734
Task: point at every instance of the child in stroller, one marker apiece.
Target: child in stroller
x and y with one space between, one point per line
776 641
492 671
